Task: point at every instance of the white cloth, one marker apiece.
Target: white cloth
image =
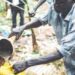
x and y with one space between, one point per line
18 29
15 2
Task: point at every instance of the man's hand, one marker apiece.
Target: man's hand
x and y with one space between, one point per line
17 29
20 66
17 32
32 13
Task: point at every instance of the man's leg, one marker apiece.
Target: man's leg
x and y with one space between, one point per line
21 12
14 14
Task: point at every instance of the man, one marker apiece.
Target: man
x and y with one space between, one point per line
40 2
17 6
62 16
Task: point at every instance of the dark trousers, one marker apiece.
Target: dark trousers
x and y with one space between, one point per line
14 12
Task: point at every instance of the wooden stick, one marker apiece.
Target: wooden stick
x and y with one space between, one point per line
34 43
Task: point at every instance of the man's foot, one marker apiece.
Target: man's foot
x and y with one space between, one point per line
13 28
12 34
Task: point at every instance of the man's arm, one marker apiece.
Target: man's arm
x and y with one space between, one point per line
45 59
21 66
40 2
33 11
33 24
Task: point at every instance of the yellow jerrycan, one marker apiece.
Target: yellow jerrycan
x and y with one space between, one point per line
6 69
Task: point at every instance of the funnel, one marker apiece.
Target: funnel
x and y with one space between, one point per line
6 48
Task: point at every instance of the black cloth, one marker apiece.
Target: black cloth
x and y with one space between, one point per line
14 12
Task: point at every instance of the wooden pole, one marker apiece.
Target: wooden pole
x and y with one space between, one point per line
34 43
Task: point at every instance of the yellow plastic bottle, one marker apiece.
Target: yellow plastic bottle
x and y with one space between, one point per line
6 69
